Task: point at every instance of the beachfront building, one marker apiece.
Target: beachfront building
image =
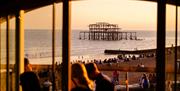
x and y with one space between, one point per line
12 43
106 31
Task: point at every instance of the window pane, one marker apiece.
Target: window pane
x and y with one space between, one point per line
38 43
12 48
178 51
170 47
3 56
94 31
11 56
178 61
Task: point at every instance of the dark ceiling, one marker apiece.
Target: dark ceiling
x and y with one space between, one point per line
10 7
172 2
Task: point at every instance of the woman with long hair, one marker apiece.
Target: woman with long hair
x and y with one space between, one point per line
80 80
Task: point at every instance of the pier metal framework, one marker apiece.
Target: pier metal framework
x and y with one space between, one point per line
106 31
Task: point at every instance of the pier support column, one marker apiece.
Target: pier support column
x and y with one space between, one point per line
94 35
135 36
89 35
80 35
131 36
121 34
84 36
126 35
103 35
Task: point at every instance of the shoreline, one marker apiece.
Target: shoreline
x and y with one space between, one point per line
47 60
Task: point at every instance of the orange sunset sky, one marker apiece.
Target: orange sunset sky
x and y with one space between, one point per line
128 14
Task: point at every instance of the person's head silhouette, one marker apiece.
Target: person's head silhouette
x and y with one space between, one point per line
27 65
92 70
79 76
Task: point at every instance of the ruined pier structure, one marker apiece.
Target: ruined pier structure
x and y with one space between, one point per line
106 31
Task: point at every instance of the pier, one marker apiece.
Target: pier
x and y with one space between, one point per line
145 51
106 31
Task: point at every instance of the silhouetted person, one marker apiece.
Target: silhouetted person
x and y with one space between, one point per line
46 85
27 65
116 77
79 77
29 81
103 83
145 82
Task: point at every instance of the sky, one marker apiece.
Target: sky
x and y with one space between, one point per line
128 14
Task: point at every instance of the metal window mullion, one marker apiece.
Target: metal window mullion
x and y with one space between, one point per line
53 47
19 37
7 54
161 32
66 47
175 59
0 52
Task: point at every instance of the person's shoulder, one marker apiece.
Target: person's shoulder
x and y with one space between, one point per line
28 76
104 84
28 73
48 83
106 77
105 80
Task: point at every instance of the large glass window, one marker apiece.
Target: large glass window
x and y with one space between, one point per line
171 48
7 70
101 28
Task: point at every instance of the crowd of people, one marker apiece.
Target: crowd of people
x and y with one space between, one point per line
84 77
118 59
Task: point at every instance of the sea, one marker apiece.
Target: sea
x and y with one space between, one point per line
38 45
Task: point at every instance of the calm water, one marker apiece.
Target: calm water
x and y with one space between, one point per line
38 45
